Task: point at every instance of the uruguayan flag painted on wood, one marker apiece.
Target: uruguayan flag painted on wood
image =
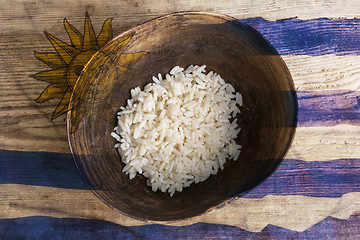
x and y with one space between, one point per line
314 194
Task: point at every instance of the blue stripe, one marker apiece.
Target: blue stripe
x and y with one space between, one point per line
312 37
317 179
74 228
39 168
63 228
328 108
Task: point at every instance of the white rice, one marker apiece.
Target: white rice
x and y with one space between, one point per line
177 131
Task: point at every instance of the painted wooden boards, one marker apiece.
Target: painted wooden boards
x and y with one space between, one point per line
323 161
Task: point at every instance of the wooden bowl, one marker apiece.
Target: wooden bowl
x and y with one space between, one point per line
235 51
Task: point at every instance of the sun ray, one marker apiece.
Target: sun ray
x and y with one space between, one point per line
105 34
76 38
53 60
89 35
76 114
63 105
52 91
129 59
66 51
69 78
116 46
52 76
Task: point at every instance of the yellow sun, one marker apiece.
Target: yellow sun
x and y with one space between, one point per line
68 61
68 78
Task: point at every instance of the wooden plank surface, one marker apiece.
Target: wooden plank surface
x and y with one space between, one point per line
251 214
39 179
24 27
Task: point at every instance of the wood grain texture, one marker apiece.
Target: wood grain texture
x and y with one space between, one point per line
26 125
25 21
88 228
325 72
135 11
296 213
39 133
325 143
332 178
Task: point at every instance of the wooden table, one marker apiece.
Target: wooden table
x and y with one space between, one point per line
314 194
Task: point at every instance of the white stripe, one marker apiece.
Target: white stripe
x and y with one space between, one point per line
325 143
282 9
296 213
325 72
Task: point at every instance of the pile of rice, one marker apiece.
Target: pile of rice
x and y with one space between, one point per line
179 130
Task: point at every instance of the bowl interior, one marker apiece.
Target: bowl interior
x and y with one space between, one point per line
235 51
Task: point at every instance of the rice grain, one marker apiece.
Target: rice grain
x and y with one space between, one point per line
178 130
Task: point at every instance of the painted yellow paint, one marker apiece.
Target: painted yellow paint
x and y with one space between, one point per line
68 61
67 77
